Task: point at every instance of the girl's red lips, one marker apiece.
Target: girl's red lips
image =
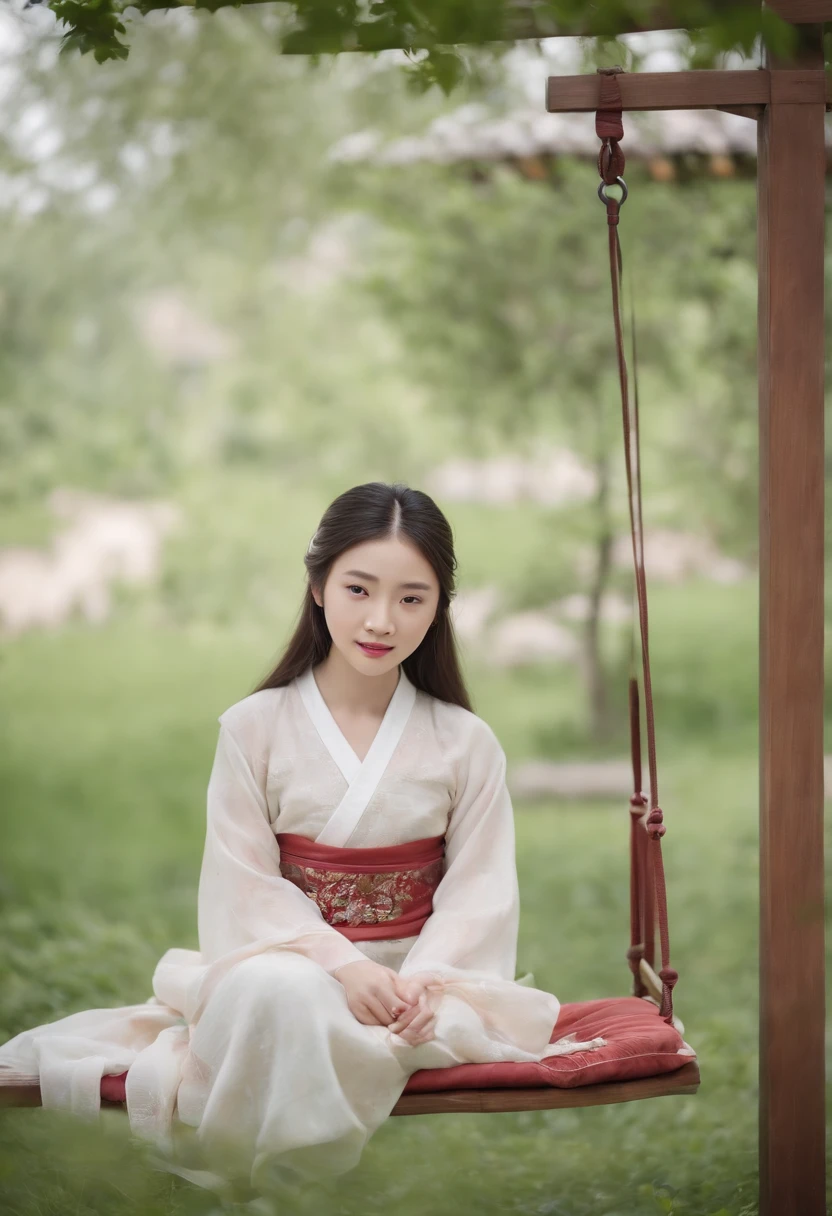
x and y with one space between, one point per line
374 646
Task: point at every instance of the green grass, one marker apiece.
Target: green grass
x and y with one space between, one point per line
108 737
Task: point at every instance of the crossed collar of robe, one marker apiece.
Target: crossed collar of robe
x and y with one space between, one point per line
362 776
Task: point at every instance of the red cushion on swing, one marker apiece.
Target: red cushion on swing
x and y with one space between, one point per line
638 1043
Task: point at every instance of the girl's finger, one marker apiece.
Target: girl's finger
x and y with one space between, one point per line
409 990
420 1022
379 1015
404 1019
388 1005
417 1010
400 1004
414 1038
422 1018
385 999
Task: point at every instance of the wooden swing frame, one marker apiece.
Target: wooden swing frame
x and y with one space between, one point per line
788 99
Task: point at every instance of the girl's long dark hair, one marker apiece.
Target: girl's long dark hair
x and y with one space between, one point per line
377 511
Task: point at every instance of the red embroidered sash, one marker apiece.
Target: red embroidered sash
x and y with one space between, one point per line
367 893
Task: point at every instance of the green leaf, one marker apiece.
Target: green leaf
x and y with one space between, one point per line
436 26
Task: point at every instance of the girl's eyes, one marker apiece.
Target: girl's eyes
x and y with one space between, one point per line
355 586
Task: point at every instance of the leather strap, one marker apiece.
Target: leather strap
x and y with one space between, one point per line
648 889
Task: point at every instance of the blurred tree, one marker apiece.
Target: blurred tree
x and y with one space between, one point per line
500 290
184 188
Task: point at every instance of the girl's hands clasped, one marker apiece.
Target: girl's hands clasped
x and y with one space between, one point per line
379 996
417 1023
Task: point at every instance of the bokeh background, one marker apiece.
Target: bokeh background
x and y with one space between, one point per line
234 284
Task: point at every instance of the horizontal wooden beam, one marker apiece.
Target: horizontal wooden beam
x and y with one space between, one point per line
692 90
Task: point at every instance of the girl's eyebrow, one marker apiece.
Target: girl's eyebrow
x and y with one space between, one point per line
371 578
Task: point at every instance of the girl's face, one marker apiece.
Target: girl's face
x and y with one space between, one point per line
381 591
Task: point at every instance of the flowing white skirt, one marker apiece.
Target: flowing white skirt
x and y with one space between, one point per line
271 1070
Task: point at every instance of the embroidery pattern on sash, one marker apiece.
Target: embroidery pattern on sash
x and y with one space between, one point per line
347 898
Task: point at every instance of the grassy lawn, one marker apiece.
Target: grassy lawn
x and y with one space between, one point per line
108 738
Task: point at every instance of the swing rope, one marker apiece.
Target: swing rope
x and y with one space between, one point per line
642 882
648 894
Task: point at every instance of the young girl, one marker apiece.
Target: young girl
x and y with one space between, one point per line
358 902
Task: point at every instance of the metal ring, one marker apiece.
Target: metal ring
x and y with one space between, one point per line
602 192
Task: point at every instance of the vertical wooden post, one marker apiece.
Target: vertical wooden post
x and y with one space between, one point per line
791 188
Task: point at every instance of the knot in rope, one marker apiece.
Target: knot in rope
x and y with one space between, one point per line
669 977
635 954
637 804
655 824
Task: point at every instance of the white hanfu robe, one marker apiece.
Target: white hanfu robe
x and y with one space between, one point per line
249 1040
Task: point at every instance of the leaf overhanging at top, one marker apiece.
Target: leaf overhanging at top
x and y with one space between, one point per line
434 28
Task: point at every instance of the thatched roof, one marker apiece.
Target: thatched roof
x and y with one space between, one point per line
716 142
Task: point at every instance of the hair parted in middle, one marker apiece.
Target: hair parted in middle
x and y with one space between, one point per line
377 510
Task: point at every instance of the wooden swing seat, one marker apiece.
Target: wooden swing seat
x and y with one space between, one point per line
625 1043
492 1101
21 1091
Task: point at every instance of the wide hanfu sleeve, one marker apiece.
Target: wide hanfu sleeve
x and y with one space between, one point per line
244 906
244 902
476 907
469 942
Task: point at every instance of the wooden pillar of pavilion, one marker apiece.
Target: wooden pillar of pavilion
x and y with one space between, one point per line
791 196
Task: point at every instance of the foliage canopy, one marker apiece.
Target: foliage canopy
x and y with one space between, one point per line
433 31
